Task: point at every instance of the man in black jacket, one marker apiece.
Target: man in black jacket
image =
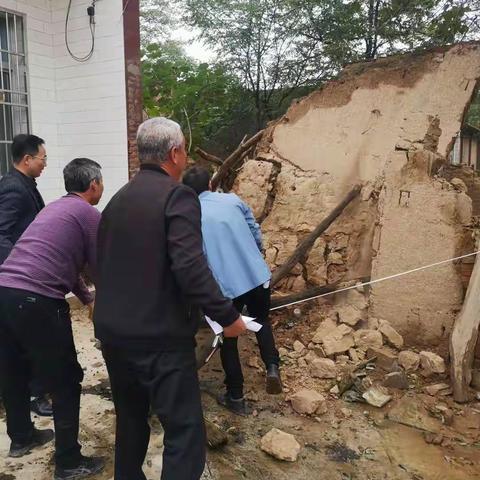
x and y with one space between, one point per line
20 201
151 271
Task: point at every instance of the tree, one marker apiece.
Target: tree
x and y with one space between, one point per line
156 20
278 47
364 29
207 100
254 38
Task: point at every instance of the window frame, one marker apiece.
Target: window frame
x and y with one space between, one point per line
5 93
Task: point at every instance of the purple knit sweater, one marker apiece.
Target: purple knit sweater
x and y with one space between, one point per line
54 249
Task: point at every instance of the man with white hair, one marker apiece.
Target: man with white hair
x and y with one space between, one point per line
151 272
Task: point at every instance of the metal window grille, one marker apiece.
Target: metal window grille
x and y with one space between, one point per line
14 115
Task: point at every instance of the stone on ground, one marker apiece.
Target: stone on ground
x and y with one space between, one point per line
377 396
385 359
368 339
438 389
338 341
298 346
324 329
392 337
308 402
396 380
431 363
349 315
409 360
281 445
323 368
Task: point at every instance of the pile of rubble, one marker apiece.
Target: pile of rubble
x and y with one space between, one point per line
356 358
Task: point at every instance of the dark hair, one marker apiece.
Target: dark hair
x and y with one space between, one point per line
24 144
197 178
79 173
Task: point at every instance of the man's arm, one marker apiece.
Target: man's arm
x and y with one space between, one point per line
188 263
89 226
252 223
10 208
81 291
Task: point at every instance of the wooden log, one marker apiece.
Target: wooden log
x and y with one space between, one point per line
233 158
208 156
307 243
280 300
464 338
216 437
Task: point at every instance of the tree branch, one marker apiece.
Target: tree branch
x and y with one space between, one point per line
233 158
208 157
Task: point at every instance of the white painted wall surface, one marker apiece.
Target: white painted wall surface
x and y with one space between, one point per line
78 108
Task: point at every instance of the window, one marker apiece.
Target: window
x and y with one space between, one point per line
13 84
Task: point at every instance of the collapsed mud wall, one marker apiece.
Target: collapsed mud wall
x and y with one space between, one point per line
389 125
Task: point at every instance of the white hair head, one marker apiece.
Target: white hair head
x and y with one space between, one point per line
156 137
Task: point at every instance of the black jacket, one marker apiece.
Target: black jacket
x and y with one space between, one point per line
151 267
20 202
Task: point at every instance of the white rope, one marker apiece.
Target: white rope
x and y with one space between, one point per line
371 282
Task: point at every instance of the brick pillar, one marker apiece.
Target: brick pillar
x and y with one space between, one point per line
133 78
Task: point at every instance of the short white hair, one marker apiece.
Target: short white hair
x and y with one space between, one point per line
156 137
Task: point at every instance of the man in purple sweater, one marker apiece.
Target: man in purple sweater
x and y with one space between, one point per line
35 327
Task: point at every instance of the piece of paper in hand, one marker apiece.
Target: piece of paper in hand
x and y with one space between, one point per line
249 323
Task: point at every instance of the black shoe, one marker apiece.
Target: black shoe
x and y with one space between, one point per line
87 466
41 406
274 383
39 438
235 405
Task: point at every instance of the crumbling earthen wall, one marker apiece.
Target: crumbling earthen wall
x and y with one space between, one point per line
389 125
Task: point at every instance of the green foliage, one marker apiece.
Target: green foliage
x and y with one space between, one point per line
273 51
203 98
156 20
473 116
276 47
363 29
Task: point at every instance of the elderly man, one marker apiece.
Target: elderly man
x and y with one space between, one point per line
35 327
20 202
233 243
151 271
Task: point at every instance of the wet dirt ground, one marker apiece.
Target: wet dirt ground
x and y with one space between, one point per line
350 442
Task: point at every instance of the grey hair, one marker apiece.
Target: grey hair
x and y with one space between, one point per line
156 137
79 173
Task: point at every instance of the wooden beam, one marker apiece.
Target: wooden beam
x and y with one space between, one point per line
280 300
464 338
208 157
307 243
232 159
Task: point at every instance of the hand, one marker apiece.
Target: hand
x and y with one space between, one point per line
236 329
90 307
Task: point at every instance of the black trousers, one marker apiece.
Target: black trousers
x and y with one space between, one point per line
166 382
36 341
257 302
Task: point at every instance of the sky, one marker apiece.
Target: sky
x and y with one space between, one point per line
193 47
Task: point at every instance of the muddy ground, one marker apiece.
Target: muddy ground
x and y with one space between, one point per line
352 441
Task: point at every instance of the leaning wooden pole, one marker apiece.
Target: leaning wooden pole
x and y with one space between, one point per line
464 338
208 157
307 243
232 159
281 300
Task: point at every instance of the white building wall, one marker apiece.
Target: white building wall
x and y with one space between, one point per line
78 108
